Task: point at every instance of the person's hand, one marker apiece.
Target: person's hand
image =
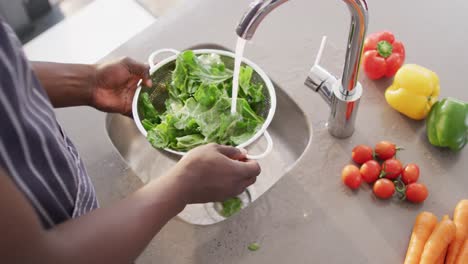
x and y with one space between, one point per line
116 83
214 173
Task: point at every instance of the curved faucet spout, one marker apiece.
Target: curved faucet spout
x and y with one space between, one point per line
357 34
343 95
259 9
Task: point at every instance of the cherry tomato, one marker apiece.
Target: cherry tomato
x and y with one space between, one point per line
351 176
416 192
370 171
384 188
410 173
385 150
391 169
362 153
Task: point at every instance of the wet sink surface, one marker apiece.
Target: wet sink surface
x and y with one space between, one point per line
289 129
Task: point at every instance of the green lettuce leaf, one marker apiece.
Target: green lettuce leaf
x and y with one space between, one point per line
207 94
231 206
150 116
253 93
147 124
190 141
198 108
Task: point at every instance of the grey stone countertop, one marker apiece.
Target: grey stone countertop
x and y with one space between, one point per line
308 216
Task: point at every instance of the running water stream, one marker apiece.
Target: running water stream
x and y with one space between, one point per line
235 80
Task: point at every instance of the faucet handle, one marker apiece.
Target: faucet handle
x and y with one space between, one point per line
320 52
319 79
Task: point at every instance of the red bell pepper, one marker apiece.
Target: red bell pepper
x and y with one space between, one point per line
383 55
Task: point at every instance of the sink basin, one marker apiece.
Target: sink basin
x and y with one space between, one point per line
289 130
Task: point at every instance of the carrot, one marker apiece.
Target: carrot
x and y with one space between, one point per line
443 234
463 256
423 227
460 218
441 259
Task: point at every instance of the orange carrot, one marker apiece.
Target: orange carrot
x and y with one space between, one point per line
423 227
463 256
460 218
441 237
441 259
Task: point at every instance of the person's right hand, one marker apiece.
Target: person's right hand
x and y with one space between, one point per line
213 173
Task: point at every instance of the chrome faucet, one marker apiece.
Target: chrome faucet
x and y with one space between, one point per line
342 95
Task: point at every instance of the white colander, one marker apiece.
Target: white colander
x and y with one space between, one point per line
162 71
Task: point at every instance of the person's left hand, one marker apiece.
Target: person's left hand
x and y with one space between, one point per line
116 84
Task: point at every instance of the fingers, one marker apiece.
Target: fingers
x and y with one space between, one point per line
249 168
138 69
247 182
231 152
244 184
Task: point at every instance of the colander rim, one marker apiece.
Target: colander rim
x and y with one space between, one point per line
269 85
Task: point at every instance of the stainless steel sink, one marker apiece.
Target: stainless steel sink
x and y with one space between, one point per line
290 131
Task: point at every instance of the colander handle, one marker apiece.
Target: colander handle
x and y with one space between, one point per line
156 53
268 149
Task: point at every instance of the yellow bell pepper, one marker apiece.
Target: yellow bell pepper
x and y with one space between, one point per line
413 92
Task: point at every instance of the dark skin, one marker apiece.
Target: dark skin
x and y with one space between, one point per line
118 233
107 87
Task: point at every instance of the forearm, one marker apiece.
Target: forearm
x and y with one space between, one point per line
66 84
118 234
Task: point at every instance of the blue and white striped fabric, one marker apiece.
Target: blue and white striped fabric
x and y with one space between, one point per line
34 150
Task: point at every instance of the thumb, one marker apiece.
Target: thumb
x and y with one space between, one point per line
232 152
138 69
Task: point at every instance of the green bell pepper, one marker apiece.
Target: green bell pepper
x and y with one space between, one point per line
447 124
